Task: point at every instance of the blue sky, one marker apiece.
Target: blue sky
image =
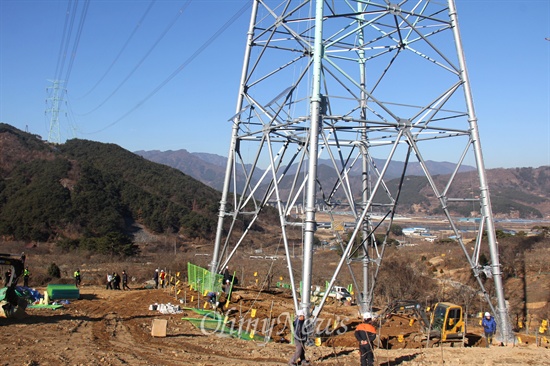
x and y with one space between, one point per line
139 106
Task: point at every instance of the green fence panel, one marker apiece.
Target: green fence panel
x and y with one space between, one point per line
202 280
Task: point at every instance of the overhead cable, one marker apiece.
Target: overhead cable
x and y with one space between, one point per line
180 12
65 38
138 25
77 40
182 66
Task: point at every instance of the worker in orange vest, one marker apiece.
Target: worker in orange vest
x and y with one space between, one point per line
365 333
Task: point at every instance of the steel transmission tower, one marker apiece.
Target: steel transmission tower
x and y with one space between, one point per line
54 103
348 82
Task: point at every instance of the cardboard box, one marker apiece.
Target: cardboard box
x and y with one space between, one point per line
158 329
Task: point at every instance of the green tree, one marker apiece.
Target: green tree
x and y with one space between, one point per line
117 244
54 271
396 230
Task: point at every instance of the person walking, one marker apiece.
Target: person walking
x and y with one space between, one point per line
77 278
300 339
109 282
26 275
489 327
156 278
125 281
365 333
116 281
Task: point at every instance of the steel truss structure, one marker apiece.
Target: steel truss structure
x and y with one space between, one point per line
327 87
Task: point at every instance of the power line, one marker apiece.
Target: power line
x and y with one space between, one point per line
77 40
205 45
65 38
138 25
180 12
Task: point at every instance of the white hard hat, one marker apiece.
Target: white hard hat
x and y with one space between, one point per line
367 315
300 313
487 314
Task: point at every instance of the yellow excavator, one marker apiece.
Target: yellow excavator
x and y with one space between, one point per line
445 324
11 305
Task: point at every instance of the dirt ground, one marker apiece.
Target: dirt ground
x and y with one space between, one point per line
106 327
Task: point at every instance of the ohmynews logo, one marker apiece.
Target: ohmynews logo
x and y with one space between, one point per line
239 326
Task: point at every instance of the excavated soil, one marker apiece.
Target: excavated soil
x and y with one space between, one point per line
107 327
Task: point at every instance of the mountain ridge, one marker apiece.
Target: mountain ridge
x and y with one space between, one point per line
515 192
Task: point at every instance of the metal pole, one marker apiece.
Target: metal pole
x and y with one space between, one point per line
486 210
364 301
234 140
315 114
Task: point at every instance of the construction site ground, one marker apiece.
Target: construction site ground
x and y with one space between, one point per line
109 327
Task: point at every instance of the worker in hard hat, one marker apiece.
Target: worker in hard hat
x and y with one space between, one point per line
300 339
365 333
162 278
489 327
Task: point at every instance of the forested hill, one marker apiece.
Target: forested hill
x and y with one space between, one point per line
91 193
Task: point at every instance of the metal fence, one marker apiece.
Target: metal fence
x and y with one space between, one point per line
202 280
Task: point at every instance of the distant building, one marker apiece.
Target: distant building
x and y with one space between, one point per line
415 231
470 219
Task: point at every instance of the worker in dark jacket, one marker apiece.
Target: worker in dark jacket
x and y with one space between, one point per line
125 280
365 333
300 339
212 298
156 278
489 327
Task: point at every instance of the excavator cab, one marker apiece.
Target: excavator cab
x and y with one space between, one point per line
11 305
447 321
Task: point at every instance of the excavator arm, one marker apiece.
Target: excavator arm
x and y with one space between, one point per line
408 307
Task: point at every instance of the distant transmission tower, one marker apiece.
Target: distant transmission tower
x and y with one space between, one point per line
327 87
54 102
